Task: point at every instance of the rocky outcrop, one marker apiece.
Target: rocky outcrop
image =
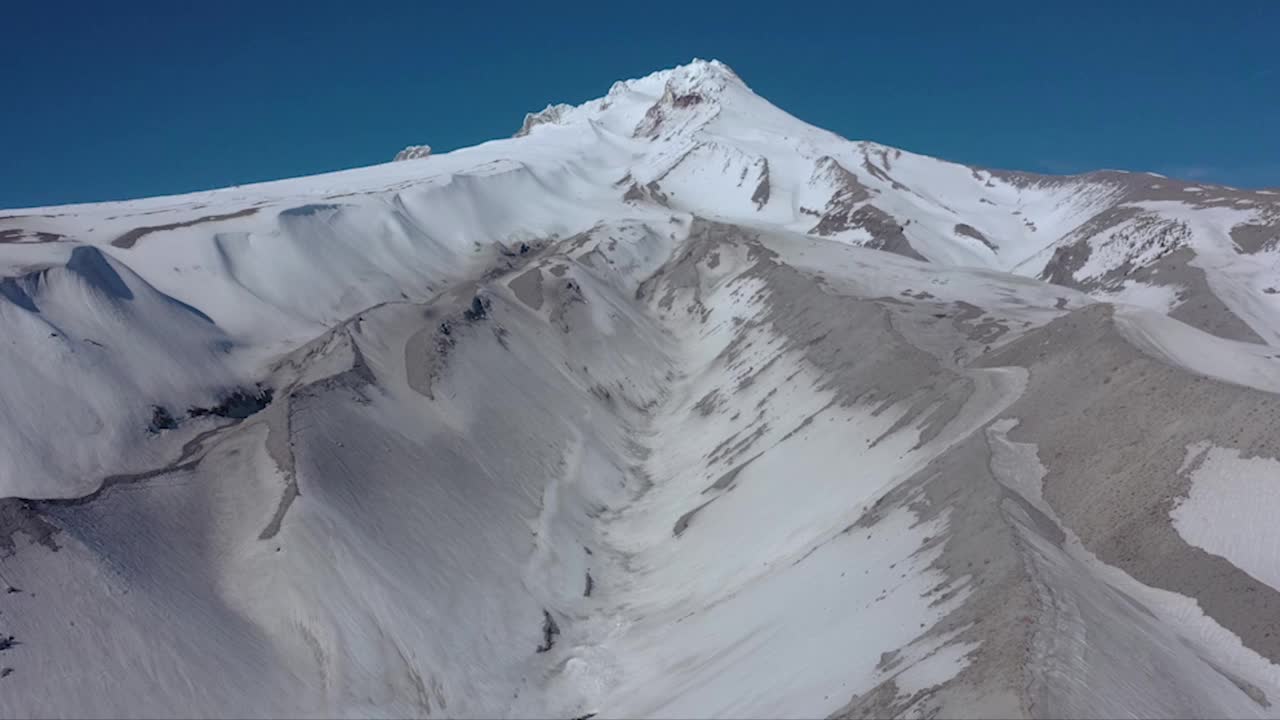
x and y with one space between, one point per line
413 152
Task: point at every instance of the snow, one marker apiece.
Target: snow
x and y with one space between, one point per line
936 669
1160 298
1247 364
1231 507
863 594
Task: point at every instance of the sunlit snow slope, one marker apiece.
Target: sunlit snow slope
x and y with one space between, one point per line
669 406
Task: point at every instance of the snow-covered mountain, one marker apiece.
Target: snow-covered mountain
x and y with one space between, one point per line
670 405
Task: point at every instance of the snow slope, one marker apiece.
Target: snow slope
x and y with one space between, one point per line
669 406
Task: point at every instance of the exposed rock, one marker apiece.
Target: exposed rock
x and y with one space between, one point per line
413 152
549 114
970 231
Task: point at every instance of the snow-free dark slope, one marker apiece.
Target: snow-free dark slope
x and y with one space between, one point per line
671 405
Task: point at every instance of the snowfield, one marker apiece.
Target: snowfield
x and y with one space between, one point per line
671 405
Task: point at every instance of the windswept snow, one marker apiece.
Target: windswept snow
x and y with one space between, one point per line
670 405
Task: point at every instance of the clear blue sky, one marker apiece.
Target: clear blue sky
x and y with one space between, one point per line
128 99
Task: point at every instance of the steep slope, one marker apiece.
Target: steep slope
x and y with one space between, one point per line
669 406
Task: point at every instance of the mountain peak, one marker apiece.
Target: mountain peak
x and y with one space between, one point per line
698 82
705 75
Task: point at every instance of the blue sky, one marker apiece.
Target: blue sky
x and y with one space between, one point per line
119 100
